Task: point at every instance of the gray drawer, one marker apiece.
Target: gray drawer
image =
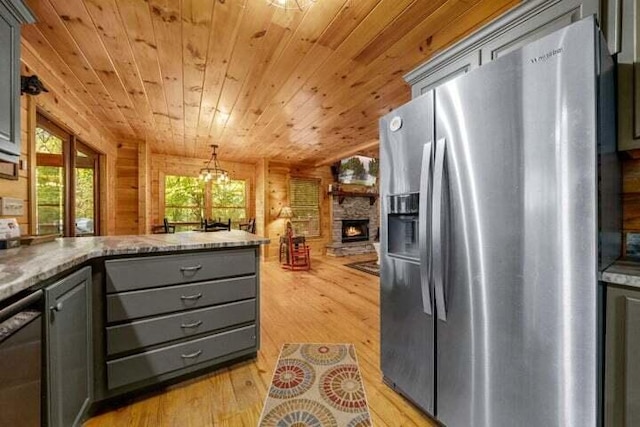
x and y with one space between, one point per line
156 330
131 369
148 272
151 302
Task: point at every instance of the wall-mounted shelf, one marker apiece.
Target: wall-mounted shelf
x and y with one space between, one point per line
342 194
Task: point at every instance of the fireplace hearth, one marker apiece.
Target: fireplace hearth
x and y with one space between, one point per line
355 230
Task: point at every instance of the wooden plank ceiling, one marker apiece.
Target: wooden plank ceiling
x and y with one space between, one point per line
260 81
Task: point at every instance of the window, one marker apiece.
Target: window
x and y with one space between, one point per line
229 200
183 201
66 185
187 198
305 205
49 183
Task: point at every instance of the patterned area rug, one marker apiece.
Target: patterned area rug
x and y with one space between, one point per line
367 266
316 385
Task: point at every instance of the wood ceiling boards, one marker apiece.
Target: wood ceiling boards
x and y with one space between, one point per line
257 80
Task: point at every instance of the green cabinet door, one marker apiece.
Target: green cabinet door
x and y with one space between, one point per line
629 77
622 357
12 14
68 349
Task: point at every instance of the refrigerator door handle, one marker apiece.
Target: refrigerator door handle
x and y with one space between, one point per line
423 230
437 231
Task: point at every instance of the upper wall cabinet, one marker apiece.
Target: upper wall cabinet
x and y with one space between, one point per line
13 13
526 22
629 77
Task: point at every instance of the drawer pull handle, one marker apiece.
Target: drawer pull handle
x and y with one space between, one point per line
194 268
191 297
191 325
192 355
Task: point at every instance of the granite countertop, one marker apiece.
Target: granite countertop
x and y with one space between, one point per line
623 272
26 266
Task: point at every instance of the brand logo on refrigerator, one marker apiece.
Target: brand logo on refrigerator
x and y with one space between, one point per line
395 124
547 56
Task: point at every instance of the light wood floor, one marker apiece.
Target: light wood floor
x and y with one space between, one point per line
331 303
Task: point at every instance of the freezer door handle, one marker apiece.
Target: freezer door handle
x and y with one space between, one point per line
437 229
423 230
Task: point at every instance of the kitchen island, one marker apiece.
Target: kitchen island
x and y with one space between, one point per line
127 314
27 267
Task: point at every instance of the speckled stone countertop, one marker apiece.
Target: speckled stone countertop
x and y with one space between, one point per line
623 272
26 266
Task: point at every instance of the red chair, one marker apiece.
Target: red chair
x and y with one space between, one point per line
298 256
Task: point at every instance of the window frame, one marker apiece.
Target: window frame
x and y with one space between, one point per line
67 160
212 206
208 205
164 196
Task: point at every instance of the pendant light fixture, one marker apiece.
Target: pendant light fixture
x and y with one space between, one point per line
291 4
214 171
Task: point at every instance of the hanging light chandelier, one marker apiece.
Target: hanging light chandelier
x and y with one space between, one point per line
291 4
216 172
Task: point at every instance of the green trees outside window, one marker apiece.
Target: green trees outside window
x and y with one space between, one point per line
183 201
229 200
60 210
49 183
188 200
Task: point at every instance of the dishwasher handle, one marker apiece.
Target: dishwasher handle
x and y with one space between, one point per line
20 305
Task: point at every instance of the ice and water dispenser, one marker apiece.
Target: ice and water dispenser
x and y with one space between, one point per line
403 226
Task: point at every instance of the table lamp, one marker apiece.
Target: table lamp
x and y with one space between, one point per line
287 214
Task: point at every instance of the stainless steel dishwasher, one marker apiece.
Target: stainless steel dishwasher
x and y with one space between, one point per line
21 362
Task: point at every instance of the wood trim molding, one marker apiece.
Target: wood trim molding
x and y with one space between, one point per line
31 153
144 188
20 11
490 31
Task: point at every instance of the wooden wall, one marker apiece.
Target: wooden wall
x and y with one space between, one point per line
162 165
65 108
22 188
278 176
261 195
126 207
631 193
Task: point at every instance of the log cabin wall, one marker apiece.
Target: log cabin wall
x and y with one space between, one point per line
262 173
67 108
127 189
62 108
278 177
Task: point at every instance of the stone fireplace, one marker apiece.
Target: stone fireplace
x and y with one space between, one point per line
354 224
355 230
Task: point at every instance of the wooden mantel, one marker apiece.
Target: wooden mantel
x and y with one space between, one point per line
342 194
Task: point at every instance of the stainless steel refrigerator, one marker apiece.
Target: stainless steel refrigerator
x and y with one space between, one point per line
500 202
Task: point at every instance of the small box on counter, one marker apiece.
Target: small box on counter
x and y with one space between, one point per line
9 233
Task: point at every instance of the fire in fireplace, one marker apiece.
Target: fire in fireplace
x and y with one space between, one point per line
355 230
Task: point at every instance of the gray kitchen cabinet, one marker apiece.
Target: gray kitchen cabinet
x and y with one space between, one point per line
629 77
13 13
524 23
166 316
434 77
622 367
68 348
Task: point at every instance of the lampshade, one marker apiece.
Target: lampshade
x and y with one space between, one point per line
285 212
291 4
